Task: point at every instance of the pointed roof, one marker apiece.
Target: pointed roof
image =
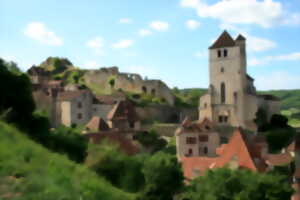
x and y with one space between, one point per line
240 38
123 110
225 40
97 124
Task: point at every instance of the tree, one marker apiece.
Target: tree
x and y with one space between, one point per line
112 81
261 119
123 171
151 140
163 177
226 184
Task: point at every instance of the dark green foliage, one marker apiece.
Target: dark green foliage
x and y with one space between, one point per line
226 184
279 138
123 171
261 119
112 81
56 65
151 140
188 97
28 171
163 177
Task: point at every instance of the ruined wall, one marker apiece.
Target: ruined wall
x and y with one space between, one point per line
165 114
127 82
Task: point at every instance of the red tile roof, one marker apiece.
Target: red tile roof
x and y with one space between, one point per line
97 124
125 144
225 40
279 159
240 148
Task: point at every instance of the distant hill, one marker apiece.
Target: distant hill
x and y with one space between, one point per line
29 171
289 98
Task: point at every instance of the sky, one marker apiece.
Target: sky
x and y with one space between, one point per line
159 39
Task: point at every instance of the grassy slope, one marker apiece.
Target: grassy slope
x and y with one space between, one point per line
45 175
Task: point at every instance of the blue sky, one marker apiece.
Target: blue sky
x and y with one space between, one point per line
160 39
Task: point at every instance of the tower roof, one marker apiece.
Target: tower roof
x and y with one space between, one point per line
225 40
240 37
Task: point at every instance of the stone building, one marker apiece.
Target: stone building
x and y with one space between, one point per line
196 139
232 98
123 117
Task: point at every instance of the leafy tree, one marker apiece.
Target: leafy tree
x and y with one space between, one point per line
151 140
163 177
123 171
261 119
279 137
112 81
226 184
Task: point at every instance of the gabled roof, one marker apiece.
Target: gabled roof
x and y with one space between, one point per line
225 40
240 149
240 37
97 124
123 110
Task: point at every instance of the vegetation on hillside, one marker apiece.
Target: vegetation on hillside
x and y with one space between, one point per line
226 184
29 171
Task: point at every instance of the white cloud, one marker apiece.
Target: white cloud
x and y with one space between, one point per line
265 13
257 44
192 24
91 64
145 32
38 31
277 80
123 44
201 54
126 21
254 43
96 44
266 60
160 26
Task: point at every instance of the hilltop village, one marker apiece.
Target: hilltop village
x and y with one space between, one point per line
222 131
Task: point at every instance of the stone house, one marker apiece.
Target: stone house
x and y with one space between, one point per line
232 98
196 139
123 117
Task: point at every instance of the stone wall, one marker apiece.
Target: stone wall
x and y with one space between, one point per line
127 82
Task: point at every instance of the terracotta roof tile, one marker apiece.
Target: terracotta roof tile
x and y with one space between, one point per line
279 159
225 40
191 165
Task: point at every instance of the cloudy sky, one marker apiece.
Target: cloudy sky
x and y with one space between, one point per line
160 39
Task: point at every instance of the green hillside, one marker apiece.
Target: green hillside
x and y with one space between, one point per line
29 171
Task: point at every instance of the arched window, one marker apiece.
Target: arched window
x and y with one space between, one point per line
219 53
225 52
223 93
144 89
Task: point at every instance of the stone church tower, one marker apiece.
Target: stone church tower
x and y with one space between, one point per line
231 98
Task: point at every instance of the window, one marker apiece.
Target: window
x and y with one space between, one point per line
205 150
203 138
190 152
235 97
222 70
191 140
219 53
79 116
220 119
225 118
223 93
207 127
205 105
79 105
131 124
144 89
225 52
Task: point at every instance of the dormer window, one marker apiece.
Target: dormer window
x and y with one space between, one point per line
225 52
219 53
